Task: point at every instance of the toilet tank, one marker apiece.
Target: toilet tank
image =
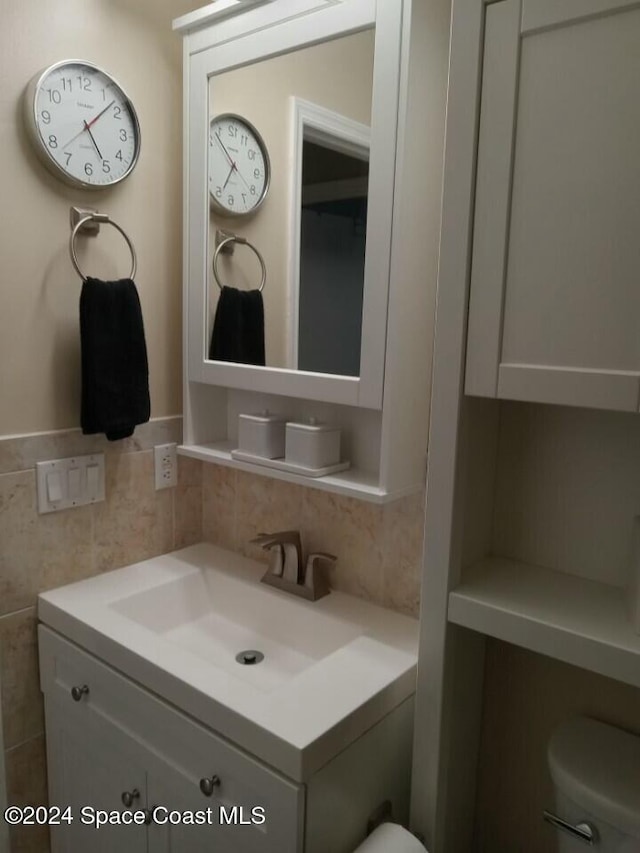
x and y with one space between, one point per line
595 769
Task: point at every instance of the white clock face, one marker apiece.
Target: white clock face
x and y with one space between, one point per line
85 126
238 166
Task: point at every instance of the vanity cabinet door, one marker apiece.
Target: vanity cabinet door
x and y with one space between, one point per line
250 809
90 766
554 312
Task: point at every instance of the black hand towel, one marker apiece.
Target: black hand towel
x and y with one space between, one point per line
115 372
238 327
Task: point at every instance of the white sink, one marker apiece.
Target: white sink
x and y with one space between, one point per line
216 616
175 623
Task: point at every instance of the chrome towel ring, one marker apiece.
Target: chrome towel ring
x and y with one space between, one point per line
225 245
99 218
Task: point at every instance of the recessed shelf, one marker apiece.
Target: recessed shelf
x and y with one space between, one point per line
353 483
578 621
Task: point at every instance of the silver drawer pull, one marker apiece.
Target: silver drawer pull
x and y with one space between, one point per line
78 692
582 831
207 786
129 796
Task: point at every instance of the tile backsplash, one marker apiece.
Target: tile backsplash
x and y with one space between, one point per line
378 548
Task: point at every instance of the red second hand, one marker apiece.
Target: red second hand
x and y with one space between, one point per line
102 112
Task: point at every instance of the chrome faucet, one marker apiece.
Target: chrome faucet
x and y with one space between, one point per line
285 565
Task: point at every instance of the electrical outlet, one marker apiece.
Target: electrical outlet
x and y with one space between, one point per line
166 466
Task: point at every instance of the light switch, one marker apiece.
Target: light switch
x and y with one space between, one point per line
74 483
54 487
93 481
71 482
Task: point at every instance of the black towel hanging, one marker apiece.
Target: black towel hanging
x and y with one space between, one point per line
115 371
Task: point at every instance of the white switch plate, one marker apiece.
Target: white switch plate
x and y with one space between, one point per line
166 465
79 481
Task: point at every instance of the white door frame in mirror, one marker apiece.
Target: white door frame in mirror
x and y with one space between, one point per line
313 123
257 34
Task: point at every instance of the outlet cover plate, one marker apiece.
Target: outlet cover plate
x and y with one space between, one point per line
166 465
75 481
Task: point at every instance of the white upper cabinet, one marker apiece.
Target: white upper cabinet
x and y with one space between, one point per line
554 314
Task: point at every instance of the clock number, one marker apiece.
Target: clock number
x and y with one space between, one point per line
233 131
218 192
123 135
252 189
244 139
85 83
252 154
119 156
53 142
68 155
54 96
256 173
230 201
46 116
106 167
116 112
88 169
66 83
244 199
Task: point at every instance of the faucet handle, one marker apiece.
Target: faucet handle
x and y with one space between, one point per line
273 543
314 579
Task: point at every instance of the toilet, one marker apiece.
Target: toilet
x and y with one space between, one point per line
595 770
390 838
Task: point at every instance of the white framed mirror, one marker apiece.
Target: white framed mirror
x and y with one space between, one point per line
319 83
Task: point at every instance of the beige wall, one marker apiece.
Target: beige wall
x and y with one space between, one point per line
39 290
336 75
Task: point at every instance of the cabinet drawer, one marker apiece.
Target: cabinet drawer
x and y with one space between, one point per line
177 751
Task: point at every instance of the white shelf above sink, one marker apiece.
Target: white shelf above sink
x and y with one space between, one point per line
352 482
578 621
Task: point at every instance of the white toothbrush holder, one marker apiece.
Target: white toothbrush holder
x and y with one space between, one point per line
261 435
312 445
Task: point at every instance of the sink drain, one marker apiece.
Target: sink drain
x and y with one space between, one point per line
249 657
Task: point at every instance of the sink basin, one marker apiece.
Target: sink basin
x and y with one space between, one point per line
174 624
215 616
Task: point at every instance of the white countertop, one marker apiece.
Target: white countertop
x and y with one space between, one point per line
296 723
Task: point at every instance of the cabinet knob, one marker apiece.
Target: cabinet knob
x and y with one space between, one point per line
207 786
129 796
78 692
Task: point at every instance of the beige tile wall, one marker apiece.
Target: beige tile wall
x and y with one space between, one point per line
378 548
39 552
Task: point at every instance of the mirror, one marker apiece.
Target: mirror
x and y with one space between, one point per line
289 172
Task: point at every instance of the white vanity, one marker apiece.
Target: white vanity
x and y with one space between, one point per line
147 707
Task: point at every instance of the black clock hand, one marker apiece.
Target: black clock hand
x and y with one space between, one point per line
87 126
231 171
230 158
95 144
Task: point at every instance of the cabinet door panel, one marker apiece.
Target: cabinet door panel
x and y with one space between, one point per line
569 301
90 765
174 777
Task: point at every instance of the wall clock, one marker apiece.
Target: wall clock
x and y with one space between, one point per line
82 124
239 168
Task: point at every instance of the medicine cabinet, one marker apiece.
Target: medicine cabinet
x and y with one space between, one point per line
347 104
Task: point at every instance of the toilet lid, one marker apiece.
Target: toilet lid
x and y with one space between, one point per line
598 767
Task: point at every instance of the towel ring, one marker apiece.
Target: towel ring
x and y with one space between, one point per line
235 239
101 218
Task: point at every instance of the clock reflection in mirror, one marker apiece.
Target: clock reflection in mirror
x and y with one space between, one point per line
306 116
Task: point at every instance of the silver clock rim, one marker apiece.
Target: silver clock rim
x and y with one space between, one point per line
32 125
215 204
